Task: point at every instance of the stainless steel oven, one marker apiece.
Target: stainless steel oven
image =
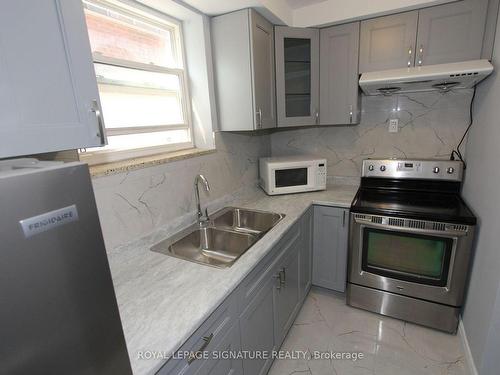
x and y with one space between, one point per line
404 263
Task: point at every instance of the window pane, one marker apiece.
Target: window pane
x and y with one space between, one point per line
131 97
123 36
133 141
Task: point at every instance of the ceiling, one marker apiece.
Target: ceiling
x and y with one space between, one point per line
306 13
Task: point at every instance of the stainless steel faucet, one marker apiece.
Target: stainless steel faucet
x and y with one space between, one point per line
202 218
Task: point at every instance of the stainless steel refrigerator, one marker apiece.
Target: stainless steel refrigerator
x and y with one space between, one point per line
58 310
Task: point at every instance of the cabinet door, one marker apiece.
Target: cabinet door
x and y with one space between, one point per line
388 42
262 51
451 33
339 92
330 247
218 365
306 253
287 292
48 89
257 328
297 76
233 71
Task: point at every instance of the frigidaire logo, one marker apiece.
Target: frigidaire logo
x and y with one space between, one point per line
49 220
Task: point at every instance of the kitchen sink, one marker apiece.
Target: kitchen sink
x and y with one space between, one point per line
230 233
244 220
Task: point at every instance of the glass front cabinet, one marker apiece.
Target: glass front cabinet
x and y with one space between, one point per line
297 76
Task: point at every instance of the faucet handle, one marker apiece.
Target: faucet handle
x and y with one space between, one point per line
206 214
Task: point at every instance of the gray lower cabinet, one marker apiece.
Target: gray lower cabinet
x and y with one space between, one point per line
243 53
257 327
339 91
257 315
330 247
297 76
219 365
451 32
306 253
287 293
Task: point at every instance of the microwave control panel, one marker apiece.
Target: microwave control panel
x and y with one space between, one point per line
321 176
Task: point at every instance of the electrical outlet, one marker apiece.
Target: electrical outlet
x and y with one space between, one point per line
393 125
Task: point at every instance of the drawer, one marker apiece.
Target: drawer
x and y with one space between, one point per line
259 276
206 338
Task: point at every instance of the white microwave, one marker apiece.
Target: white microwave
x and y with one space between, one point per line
292 174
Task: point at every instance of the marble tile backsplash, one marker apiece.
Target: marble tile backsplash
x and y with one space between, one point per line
136 203
431 125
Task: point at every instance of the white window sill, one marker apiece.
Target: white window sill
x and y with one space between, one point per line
128 165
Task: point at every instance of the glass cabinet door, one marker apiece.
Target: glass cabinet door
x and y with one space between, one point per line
297 76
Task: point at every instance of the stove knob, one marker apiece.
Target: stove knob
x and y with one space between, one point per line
436 170
382 168
450 170
371 168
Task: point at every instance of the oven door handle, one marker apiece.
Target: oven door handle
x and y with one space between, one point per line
447 233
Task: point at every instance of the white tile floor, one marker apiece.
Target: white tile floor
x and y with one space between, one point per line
389 346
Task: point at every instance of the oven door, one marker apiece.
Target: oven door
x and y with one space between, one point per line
423 263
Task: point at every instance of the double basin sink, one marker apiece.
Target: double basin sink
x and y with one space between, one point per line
228 235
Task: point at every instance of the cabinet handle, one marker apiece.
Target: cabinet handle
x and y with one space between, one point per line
206 341
343 219
410 53
421 55
316 117
280 280
283 271
259 122
100 123
350 114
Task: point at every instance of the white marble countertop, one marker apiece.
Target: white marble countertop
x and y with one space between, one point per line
163 300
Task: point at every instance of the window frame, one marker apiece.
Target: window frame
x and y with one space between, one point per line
141 12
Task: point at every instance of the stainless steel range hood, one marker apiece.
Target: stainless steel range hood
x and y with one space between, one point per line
442 77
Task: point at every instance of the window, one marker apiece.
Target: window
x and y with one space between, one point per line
138 60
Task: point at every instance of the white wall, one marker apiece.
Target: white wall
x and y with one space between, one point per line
481 316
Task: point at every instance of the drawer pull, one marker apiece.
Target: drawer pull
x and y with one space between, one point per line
206 342
279 277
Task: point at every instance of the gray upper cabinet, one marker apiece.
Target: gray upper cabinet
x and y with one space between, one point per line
330 247
243 53
297 76
339 92
442 34
451 32
388 42
48 91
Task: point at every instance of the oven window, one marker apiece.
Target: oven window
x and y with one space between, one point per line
407 256
290 177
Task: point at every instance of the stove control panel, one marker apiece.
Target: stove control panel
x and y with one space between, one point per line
446 170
